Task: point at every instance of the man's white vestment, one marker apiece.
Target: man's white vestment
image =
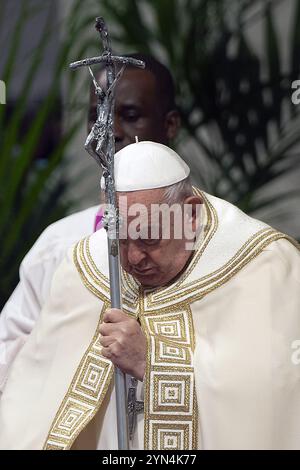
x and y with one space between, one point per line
222 370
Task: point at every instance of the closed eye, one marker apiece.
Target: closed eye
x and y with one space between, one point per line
130 113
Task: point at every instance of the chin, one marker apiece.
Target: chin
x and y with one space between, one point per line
121 145
118 147
148 281
153 281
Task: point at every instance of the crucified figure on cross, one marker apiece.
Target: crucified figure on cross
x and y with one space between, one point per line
96 141
100 141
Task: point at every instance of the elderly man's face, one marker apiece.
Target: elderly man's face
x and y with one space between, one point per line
153 261
138 110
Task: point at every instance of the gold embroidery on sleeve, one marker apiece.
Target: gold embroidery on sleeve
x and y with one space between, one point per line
83 398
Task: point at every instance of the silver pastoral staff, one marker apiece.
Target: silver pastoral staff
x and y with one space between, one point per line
100 144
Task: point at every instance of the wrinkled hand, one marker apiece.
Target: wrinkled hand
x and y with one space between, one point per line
123 342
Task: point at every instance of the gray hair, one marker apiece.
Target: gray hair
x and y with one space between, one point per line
179 191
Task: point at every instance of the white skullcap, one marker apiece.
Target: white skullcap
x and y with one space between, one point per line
148 165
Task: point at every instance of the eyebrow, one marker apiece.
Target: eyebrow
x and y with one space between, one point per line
128 106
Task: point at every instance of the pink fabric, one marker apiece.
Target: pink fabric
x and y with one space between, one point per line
98 224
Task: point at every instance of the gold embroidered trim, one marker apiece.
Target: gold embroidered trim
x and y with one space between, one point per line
247 247
198 289
103 278
82 266
171 416
83 398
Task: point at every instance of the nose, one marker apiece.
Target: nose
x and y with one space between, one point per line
135 254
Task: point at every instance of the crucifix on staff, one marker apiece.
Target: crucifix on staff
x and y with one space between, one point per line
100 144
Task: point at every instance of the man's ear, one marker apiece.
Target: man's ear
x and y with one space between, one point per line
194 203
172 123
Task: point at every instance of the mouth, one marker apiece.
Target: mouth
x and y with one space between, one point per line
142 272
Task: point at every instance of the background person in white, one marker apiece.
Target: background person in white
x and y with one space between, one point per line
145 107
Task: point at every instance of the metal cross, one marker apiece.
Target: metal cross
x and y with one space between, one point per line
100 141
133 407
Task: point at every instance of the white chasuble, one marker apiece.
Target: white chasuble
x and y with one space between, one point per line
220 371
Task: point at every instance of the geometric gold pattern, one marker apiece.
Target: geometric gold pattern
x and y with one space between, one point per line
172 392
170 405
170 436
173 327
83 398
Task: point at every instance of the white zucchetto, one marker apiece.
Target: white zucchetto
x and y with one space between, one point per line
148 165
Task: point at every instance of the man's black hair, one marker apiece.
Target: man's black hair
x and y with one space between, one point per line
163 78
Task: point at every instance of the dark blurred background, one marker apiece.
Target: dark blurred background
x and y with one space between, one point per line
234 62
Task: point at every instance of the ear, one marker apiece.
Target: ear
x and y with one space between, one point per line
193 202
172 124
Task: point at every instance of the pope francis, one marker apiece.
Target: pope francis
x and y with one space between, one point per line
210 317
